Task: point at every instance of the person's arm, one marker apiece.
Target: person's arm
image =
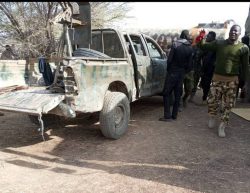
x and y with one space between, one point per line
244 63
170 58
202 44
209 46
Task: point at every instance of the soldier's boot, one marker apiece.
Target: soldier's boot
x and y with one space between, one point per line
211 121
221 130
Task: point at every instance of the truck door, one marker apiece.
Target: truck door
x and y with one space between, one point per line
143 68
159 65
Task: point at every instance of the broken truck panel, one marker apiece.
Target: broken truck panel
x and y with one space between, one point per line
13 72
93 78
36 101
21 72
86 80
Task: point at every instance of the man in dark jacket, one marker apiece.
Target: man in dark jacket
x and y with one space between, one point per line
179 63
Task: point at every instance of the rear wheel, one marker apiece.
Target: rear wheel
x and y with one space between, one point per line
115 115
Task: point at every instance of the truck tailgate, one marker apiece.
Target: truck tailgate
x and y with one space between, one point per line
31 101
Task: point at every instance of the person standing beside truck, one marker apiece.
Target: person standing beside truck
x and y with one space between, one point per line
197 68
232 59
178 64
208 60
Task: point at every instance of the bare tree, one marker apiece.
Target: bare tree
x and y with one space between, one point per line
105 14
26 24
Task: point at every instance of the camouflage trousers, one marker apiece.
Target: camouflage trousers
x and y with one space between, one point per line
222 94
188 83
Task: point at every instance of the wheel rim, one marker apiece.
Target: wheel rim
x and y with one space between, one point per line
119 116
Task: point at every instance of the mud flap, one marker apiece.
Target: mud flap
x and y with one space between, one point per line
42 126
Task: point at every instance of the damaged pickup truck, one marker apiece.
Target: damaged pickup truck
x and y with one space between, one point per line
104 71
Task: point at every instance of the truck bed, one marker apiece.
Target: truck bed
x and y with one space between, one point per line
34 100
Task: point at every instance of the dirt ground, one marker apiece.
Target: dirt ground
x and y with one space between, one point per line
153 157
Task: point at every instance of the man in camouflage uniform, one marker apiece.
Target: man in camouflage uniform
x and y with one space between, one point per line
231 62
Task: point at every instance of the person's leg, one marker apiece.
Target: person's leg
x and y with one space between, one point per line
180 108
177 93
196 79
213 101
184 94
242 91
228 96
237 91
168 88
188 86
166 101
206 82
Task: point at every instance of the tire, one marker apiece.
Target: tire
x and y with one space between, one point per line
89 53
115 115
48 120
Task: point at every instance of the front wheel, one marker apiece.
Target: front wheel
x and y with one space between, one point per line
115 115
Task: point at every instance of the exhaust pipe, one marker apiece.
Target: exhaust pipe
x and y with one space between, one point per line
67 110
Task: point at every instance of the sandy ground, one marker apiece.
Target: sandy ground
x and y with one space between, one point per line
153 156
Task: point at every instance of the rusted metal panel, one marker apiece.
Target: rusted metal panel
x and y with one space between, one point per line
32 101
12 72
93 78
11 88
21 72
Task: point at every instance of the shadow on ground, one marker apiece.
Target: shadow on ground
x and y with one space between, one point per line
182 153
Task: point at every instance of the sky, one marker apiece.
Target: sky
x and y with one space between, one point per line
184 15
